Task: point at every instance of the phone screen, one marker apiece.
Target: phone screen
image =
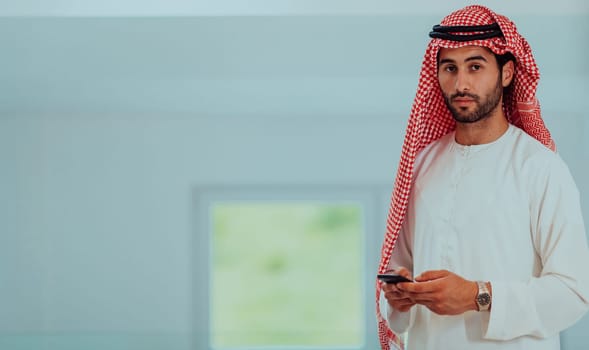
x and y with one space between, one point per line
393 278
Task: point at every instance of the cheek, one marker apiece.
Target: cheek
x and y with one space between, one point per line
447 92
445 85
488 85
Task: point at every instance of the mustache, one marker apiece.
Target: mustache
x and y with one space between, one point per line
464 94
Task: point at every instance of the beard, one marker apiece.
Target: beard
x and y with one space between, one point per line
483 109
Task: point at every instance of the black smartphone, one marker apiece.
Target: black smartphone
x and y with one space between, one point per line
392 278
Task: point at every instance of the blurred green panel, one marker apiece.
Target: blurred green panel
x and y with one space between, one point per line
287 274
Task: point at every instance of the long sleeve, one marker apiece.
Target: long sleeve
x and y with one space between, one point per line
555 299
402 256
507 212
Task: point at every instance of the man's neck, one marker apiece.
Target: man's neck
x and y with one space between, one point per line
483 131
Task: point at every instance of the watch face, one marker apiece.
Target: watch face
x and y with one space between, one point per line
484 299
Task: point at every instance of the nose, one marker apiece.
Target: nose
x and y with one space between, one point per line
462 82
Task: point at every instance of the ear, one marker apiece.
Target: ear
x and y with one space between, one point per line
508 72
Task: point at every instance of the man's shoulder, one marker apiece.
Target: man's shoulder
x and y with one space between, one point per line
536 160
526 149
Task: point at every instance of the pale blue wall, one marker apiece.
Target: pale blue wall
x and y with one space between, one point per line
108 124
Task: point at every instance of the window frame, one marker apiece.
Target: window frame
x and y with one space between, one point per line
369 198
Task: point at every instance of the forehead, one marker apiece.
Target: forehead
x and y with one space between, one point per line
462 53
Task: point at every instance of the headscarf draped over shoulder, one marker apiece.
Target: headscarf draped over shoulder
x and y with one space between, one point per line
430 119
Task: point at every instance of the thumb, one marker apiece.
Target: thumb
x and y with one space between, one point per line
403 272
431 275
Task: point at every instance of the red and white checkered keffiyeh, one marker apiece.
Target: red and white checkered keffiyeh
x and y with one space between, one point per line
430 119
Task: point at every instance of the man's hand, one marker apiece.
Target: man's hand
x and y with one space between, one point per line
441 291
396 298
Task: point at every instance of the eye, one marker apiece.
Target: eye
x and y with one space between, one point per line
450 68
475 67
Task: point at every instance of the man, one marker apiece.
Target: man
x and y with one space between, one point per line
485 215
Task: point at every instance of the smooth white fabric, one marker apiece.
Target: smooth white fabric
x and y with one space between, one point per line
507 212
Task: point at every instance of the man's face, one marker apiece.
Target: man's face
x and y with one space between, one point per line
471 82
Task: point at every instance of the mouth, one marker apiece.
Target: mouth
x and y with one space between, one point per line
463 101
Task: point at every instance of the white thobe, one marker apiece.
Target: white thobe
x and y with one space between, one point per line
507 212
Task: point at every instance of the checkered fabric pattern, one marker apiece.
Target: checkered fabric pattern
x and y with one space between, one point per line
430 119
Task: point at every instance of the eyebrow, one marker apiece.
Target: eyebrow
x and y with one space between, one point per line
471 58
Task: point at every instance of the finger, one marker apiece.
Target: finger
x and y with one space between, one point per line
397 296
403 301
432 275
389 287
415 287
406 287
408 300
403 272
393 296
403 304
